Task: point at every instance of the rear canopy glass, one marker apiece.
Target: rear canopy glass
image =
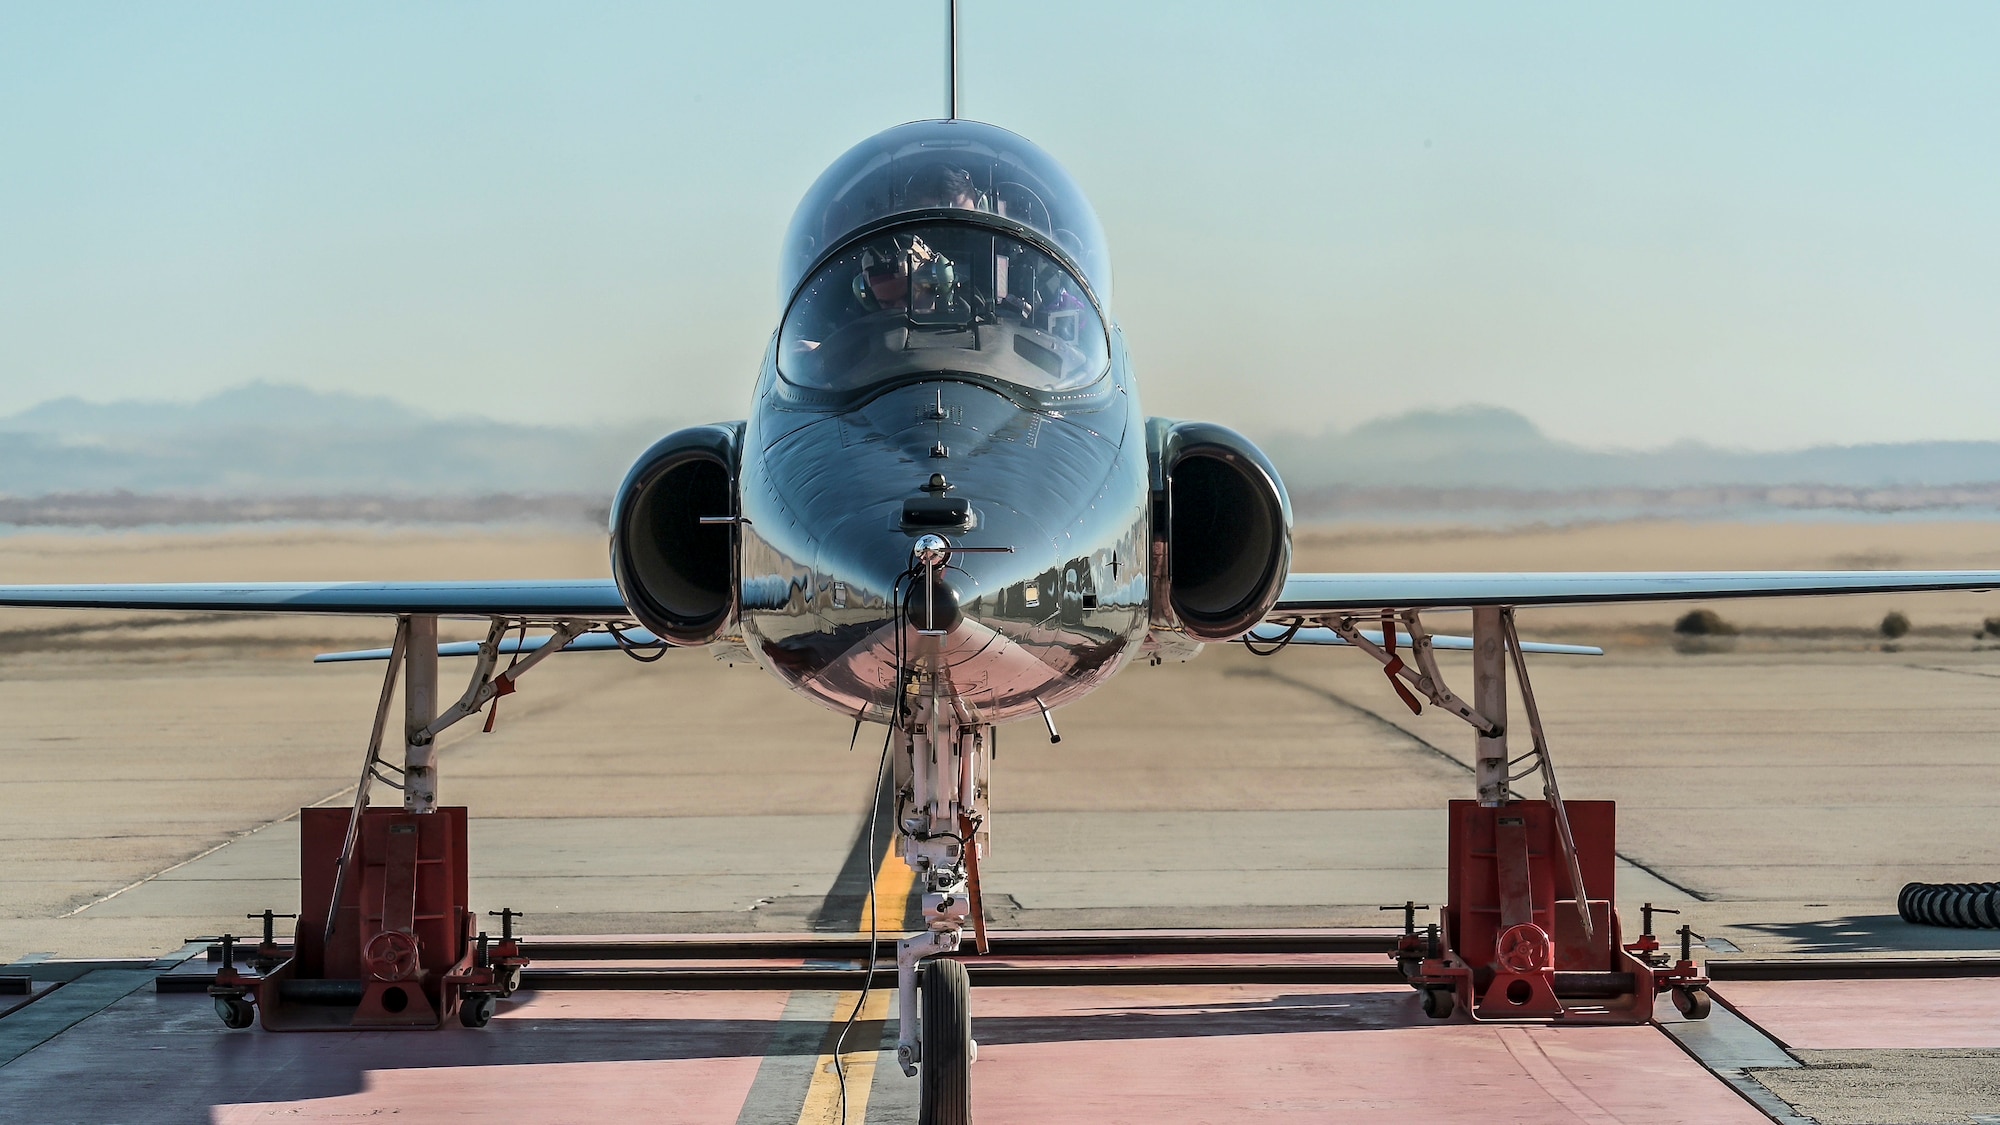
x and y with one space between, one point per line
957 165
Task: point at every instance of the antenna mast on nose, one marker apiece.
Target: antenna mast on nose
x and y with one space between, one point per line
951 62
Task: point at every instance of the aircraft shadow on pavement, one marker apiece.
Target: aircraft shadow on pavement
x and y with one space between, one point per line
1281 1015
181 1051
203 1065
1873 933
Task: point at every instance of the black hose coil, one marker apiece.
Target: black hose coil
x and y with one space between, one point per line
1966 906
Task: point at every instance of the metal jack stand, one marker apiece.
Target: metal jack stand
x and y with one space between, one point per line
386 937
1521 935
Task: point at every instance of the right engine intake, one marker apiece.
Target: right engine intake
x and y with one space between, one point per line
1226 531
677 574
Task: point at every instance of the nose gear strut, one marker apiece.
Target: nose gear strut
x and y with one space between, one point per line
942 786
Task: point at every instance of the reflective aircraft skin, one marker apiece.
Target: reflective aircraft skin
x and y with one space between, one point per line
825 547
946 366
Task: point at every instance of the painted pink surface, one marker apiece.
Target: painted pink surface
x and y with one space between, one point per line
691 1091
1355 1054
1878 1014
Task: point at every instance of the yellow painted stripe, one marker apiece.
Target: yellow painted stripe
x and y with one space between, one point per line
893 879
890 903
823 1096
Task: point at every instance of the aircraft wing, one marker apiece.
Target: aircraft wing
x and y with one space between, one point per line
595 599
1307 595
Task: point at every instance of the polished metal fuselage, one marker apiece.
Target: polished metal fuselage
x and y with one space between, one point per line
825 552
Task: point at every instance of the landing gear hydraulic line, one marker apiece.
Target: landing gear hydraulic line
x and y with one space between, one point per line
1529 929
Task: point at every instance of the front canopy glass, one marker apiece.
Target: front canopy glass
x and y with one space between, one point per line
942 297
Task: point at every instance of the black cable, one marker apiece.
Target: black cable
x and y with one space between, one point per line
1250 640
874 819
632 648
874 925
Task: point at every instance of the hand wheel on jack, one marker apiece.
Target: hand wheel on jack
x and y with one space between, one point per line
391 955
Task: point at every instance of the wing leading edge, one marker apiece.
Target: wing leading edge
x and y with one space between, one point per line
1309 594
588 599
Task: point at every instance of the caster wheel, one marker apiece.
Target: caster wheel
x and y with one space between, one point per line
1439 1003
476 1011
944 1068
236 1012
1692 1002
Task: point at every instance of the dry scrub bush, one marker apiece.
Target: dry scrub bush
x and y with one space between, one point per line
1703 623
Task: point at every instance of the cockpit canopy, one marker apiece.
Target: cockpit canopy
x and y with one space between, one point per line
924 166
924 298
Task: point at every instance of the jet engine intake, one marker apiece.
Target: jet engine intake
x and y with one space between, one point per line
1222 530
676 573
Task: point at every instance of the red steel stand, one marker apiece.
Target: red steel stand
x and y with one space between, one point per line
402 952
1512 943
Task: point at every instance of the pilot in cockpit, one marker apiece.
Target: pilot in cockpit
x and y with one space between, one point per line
946 185
884 279
905 273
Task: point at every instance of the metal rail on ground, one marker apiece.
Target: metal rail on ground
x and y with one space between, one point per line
1055 958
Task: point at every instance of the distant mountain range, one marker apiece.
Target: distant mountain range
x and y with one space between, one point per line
278 451
273 440
1492 447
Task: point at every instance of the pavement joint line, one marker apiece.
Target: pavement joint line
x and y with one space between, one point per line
1951 671
1335 697
60 1009
234 837
237 837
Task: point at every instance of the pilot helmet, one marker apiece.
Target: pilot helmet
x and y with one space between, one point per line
933 281
884 278
946 185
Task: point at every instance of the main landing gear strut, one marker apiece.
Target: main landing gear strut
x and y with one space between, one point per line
1530 928
942 775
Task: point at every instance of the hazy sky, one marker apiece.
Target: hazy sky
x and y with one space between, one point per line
1766 225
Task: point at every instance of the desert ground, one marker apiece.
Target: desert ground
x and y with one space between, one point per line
1780 784
1777 785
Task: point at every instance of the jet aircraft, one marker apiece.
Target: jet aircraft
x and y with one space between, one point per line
947 510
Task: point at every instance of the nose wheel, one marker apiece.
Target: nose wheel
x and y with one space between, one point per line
944 1065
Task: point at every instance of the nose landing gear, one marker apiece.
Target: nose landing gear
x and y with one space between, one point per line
942 787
